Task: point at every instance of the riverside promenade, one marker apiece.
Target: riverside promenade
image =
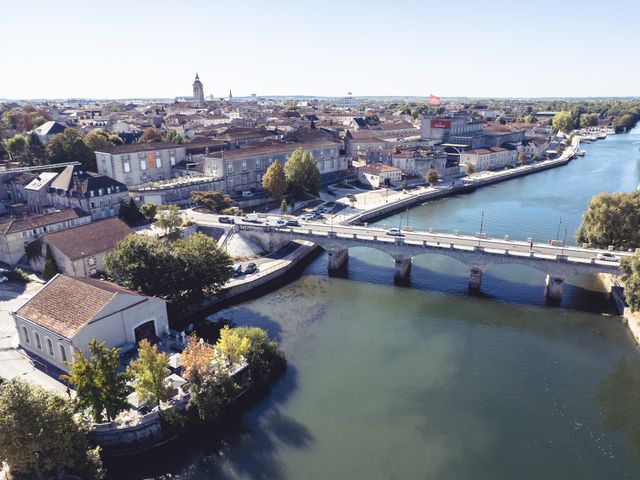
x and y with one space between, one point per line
383 204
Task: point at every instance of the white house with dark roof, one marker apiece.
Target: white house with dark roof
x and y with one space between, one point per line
99 195
80 251
16 233
68 312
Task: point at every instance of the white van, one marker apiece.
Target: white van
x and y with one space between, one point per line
274 221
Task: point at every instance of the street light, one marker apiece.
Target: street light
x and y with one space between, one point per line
564 241
558 234
481 225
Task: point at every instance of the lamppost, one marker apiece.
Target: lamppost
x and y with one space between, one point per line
558 234
481 225
564 241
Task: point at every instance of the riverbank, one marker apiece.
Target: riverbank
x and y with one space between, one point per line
630 318
471 183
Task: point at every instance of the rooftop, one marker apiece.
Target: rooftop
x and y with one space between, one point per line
89 239
66 304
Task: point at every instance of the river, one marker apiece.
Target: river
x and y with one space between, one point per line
427 381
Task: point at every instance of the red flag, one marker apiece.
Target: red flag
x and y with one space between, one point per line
433 100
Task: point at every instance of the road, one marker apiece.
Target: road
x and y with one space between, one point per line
573 253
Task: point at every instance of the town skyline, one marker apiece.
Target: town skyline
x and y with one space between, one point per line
481 53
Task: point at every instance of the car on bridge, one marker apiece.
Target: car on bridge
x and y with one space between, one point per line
607 257
394 232
225 219
293 223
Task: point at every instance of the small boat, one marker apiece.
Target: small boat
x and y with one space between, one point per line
581 153
611 131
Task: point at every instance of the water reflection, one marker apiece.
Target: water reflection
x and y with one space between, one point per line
619 401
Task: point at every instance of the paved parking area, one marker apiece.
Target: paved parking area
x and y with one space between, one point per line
13 362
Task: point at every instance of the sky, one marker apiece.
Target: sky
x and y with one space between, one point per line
143 49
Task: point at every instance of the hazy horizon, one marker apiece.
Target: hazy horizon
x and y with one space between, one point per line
411 48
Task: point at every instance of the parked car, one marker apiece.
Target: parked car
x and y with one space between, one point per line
293 223
609 257
225 219
394 232
237 269
251 218
308 216
250 268
247 193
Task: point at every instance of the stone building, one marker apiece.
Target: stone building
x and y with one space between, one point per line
198 93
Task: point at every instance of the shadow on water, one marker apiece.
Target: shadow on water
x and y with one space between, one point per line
494 287
247 445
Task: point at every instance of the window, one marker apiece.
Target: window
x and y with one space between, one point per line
258 164
126 167
100 191
25 335
244 165
229 167
36 335
158 162
143 165
173 160
63 352
50 347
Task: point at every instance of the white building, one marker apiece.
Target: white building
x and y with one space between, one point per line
488 158
378 175
68 312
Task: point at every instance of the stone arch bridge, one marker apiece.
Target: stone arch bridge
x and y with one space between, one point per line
478 253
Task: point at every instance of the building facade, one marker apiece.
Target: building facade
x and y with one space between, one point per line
140 162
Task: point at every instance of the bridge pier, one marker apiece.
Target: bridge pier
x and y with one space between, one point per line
337 259
554 287
475 278
403 268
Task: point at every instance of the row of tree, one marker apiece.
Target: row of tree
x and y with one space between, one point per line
300 175
68 146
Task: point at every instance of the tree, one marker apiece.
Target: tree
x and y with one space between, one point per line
231 346
98 141
283 206
274 181
469 169
174 137
130 213
100 387
39 435
149 372
611 219
562 122
589 120
431 176
196 359
37 151
143 263
50 266
18 147
151 135
149 211
183 271
69 146
631 268
215 202
169 219
204 268
264 357
302 173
